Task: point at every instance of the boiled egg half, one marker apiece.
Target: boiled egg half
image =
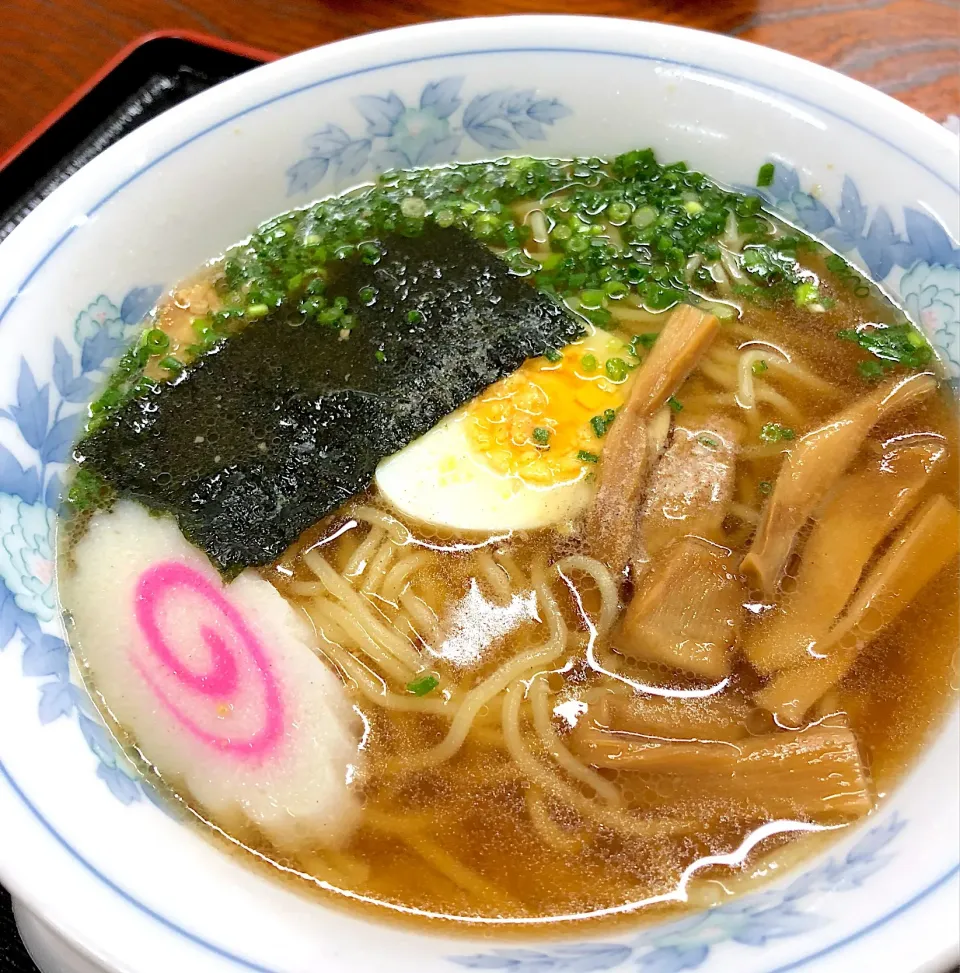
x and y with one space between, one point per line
523 453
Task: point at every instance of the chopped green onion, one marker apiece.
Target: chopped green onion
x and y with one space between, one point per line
423 685
659 298
222 318
616 369
550 261
773 432
586 457
871 369
619 213
413 206
156 341
379 355
552 355
312 306
330 315
896 343
88 490
765 487
319 284
644 217
171 364
668 214
602 423
486 224
708 441
759 367
370 252
256 311
233 273
770 265
645 340
541 436
414 317
806 293
600 317
675 404
591 299
111 398
615 289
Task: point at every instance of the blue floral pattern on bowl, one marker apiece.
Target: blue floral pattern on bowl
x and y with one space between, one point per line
929 287
751 921
47 416
399 136
853 229
931 295
26 530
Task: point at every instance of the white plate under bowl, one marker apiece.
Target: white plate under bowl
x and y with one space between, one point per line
81 844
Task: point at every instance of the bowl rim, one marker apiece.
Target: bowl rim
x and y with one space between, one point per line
229 90
81 194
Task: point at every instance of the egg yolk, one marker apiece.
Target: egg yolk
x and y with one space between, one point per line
541 423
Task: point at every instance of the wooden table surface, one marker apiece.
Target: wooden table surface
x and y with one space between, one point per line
907 48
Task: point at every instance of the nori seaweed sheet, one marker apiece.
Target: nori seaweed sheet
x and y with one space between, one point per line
280 424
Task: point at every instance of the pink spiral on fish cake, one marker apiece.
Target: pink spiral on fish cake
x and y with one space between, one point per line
220 683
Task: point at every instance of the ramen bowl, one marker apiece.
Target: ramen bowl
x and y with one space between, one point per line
103 877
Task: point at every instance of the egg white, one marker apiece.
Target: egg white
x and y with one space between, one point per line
439 479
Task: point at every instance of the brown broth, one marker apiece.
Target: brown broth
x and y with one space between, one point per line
458 840
470 818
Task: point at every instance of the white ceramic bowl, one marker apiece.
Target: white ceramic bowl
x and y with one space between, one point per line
81 847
